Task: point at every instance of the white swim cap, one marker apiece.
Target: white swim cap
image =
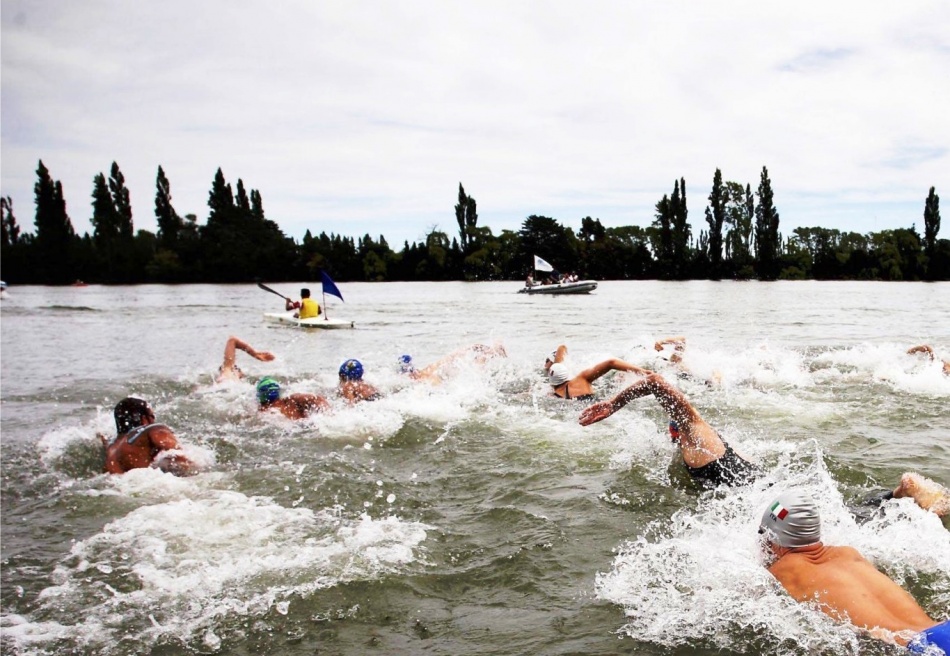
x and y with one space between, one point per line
557 374
792 520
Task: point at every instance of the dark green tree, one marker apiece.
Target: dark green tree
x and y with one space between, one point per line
8 225
105 224
466 215
767 240
169 223
55 239
931 228
548 239
680 230
662 239
715 217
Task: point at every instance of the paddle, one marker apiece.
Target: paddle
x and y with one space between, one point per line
272 291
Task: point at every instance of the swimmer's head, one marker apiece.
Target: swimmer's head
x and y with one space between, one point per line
129 413
268 390
351 370
405 364
557 374
791 520
674 431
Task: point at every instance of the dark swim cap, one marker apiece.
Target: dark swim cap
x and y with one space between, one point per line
351 370
129 413
268 390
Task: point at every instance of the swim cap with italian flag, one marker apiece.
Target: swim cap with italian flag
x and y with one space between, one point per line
792 520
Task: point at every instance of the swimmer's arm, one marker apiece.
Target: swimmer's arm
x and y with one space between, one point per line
678 343
613 364
263 356
922 348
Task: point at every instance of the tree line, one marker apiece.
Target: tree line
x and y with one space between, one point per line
739 239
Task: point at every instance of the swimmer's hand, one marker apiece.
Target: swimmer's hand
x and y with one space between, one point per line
264 356
597 412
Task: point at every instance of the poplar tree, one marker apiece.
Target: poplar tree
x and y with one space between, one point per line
105 225
10 230
680 227
931 220
169 223
466 215
766 230
55 235
715 217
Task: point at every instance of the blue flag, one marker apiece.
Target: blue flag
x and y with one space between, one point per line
329 287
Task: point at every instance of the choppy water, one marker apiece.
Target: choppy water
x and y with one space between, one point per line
475 517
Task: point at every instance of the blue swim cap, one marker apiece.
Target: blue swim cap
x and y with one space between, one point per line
405 364
268 390
351 370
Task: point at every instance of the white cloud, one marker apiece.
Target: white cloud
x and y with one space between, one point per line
355 117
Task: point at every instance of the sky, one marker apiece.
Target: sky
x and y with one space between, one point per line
356 117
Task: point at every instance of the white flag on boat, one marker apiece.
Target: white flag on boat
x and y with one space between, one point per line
541 265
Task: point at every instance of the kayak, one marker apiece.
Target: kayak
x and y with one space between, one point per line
289 319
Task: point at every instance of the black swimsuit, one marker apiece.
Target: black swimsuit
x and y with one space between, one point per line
728 469
567 394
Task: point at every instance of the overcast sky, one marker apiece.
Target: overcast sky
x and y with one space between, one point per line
363 117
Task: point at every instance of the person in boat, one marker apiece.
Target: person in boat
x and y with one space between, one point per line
436 372
708 458
308 308
229 369
580 387
292 406
843 584
529 281
352 387
140 442
926 348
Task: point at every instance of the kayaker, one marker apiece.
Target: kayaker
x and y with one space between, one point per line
352 387
292 406
141 443
229 369
308 307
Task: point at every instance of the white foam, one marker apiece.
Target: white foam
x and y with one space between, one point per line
172 569
701 576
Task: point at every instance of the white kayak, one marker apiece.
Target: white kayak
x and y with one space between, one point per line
289 319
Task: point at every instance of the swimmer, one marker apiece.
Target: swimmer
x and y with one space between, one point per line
678 344
293 406
229 369
843 584
435 373
926 493
579 387
708 459
352 387
926 348
676 357
141 443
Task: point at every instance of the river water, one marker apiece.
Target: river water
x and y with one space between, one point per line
471 517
